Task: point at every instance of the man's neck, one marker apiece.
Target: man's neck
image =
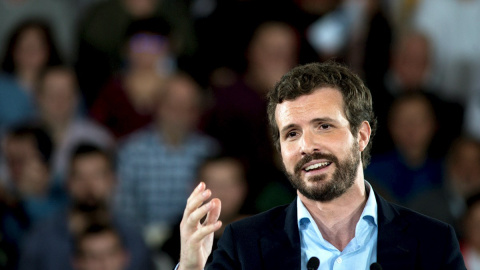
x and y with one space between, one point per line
337 219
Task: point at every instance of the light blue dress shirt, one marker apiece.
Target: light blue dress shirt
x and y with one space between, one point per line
360 252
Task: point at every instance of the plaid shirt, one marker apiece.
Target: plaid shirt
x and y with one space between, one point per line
155 179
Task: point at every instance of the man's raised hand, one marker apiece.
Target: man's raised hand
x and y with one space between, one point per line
196 237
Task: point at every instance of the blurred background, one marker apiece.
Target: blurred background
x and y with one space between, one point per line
111 111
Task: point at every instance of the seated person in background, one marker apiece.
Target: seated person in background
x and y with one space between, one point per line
90 186
402 174
101 48
225 177
127 102
100 247
58 101
470 244
30 49
408 72
461 179
157 164
28 150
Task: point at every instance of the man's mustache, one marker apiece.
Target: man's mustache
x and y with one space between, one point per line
307 158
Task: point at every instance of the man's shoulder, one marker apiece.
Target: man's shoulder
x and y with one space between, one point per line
410 214
431 243
419 224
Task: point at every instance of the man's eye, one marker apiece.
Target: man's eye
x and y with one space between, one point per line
325 126
291 134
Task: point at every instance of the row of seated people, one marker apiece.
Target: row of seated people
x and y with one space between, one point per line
122 63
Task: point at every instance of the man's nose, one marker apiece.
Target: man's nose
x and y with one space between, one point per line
309 143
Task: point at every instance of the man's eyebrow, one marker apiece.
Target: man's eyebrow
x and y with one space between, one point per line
323 119
284 129
315 120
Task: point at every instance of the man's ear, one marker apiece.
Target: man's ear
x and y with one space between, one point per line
363 137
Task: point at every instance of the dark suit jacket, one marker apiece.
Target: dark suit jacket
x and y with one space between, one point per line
406 240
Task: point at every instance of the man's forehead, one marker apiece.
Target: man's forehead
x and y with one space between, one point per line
328 100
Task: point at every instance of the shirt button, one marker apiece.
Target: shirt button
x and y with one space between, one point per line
339 260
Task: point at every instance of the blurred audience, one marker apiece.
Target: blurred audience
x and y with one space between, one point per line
455 64
225 177
410 64
157 164
222 40
58 103
28 151
90 187
461 180
58 14
408 170
470 245
351 31
30 48
401 12
128 100
472 113
102 34
409 71
238 116
100 247
13 223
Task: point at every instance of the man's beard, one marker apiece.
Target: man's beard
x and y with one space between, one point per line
342 179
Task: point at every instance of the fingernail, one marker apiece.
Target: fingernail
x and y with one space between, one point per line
208 205
205 193
199 185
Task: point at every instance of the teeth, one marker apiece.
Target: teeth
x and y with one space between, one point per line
316 166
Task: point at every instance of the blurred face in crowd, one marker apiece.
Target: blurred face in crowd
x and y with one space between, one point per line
102 251
272 52
320 154
91 181
464 167
140 8
179 106
226 180
31 50
146 50
25 163
57 96
472 230
411 61
412 125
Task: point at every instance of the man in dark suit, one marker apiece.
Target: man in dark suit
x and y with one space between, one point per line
322 121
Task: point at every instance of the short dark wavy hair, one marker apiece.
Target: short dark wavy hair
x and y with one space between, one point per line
305 79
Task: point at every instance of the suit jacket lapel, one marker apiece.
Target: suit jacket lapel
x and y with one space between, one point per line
281 245
394 246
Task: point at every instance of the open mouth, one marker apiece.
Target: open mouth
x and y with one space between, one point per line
317 166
